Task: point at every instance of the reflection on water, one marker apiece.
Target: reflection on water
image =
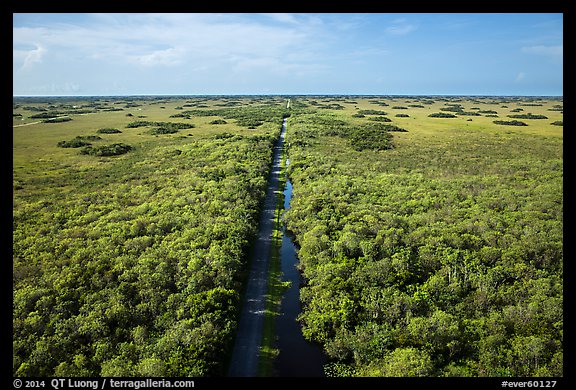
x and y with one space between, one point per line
297 358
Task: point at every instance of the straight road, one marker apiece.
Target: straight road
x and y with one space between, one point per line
246 352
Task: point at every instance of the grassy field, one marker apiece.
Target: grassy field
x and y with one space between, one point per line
435 145
35 149
36 142
440 255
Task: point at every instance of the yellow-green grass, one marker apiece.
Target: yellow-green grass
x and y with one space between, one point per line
420 125
419 120
477 145
35 150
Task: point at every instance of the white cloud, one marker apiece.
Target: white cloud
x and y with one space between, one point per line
283 18
34 56
400 27
195 52
29 57
520 76
554 53
369 52
65 87
168 57
273 66
163 39
163 48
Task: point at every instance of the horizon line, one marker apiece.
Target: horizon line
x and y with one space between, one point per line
281 94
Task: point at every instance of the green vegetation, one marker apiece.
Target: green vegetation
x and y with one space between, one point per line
440 257
245 116
133 265
373 136
75 143
374 139
108 130
380 119
453 108
429 247
107 150
510 123
163 130
45 115
442 115
78 141
165 127
372 112
528 116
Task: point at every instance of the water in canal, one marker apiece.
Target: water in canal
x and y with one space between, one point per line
297 357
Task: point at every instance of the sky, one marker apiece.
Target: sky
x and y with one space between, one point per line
61 54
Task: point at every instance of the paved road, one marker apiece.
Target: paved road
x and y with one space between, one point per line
246 352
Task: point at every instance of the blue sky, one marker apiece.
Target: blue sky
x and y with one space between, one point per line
310 53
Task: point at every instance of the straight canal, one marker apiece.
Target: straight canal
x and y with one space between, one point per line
297 357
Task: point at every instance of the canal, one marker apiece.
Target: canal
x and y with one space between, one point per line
297 357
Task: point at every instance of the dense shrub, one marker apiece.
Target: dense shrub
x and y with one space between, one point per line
510 123
138 270
75 143
430 260
107 150
528 116
442 115
78 141
370 138
108 130
372 112
163 130
46 115
180 115
167 125
379 119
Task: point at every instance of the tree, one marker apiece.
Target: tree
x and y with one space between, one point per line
401 362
